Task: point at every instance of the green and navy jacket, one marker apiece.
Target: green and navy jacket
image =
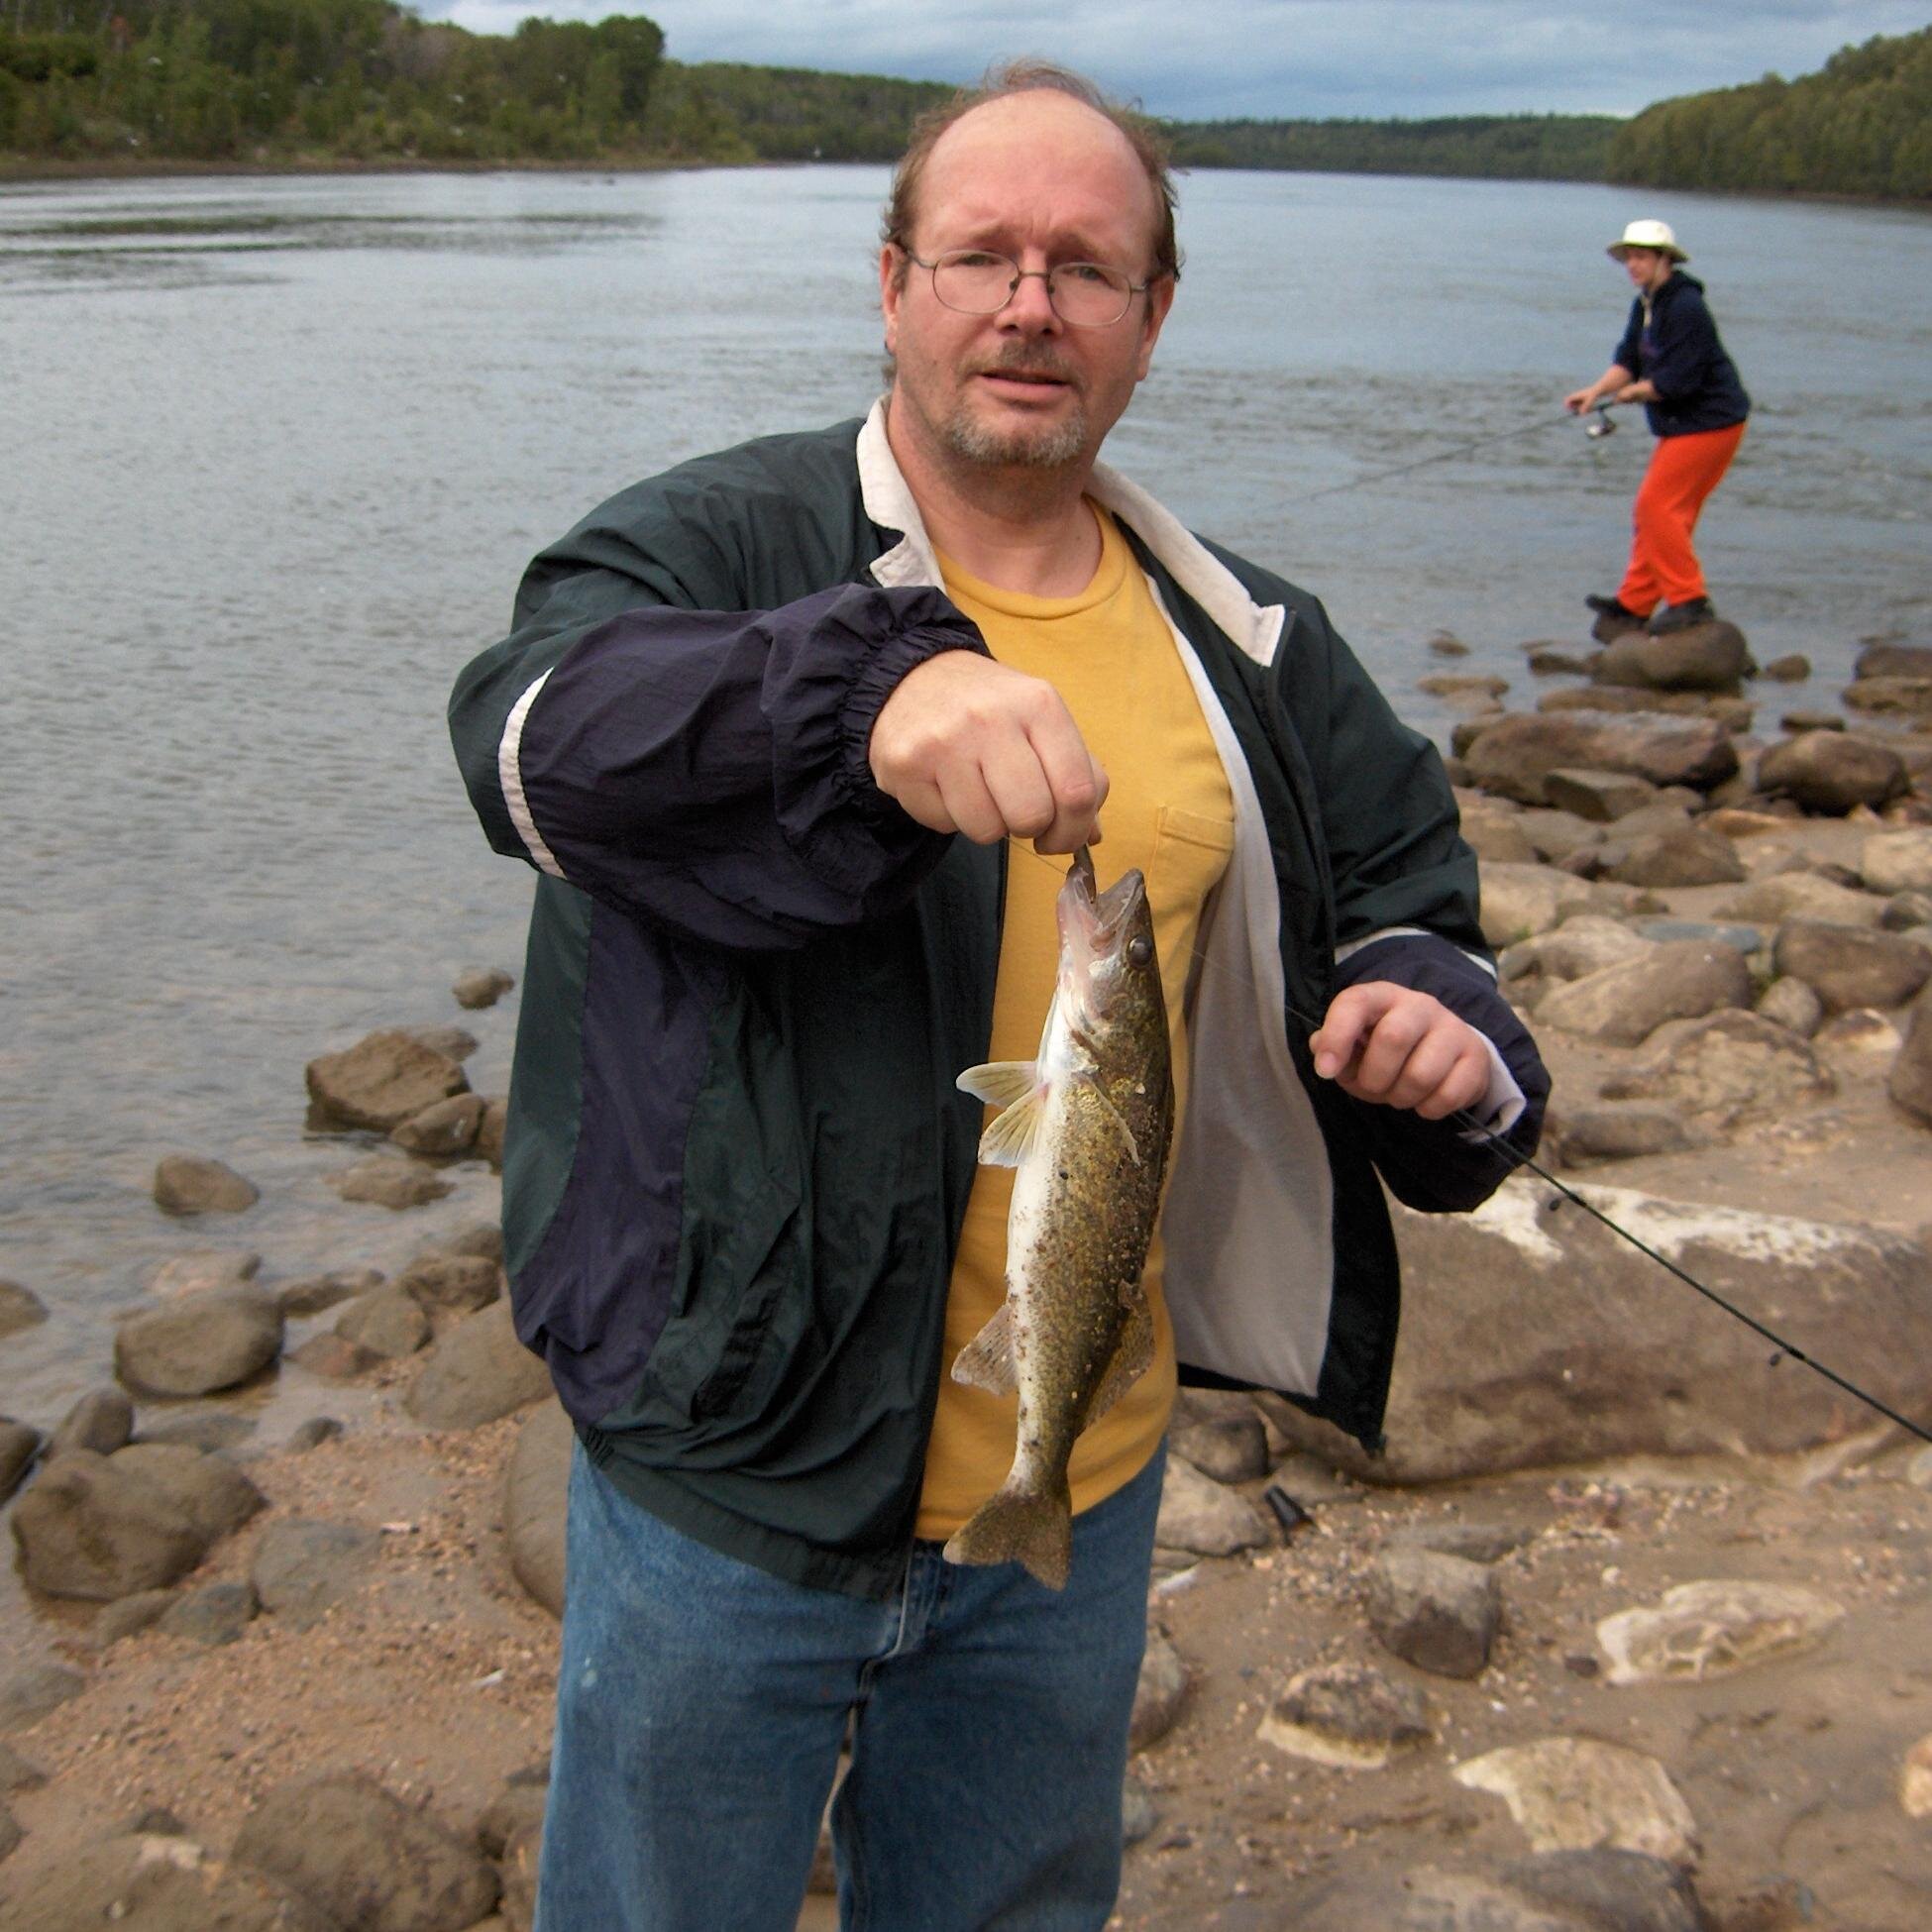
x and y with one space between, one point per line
736 1161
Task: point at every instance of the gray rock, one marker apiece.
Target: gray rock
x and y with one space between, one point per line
1793 1005
20 1308
209 1342
456 1281
1346 1715
1746 939
1793 668
1910 1080
379 1082
1723 1069
1599 796
447 1127
89 1530
1832 772
1899 862
191 1184
384 1181
1513 755
1851 966
1686 855
1626 1002
317 1294
1801 894
1621 1891
1557 836
20 1443
28 1695
1439 1612
481 986
212 1430
1475 1543
302 1568
312 1433
1374 1897
1201 1517
334 1359
1625 1133
366 1858
1584 943
1229 1449
535 1489
513 1808
202 1270
478 1372
1704 657
387 1322
214 1495
130 1615
1159 1694
1892 660
1621 1359
216 1614
101 1421
1578 1794
1897 697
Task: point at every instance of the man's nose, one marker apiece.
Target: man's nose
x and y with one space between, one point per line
1030 306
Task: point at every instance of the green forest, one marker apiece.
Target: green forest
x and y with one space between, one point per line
307 82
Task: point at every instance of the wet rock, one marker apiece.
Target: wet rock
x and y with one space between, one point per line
1793 1005
210 1341
302 1568
1710 1628
209 1490
1801 894
481 986
1158 1692
1832 772
1201 1517
1599 796
1625 1133
1746 939
380 1082
1897 696
157 1882
453 1043
202 1270
389 1323
89 1530
334 1359
317 1294
1621 1891
465 1282
28 1695
1576 1794
1521 901
1346 1715
535 1489
191 1184
362 1856
1229 1449
1477 1390
1723 1069
101 1421
216 1614
1704 657
1438 1612
384 1181
478 1372
129 1615
1626 1002
1910 1080
1685 855
1851 966
448 1126
1513 755
1793 668
20 1308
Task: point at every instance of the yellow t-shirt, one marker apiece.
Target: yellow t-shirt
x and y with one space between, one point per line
1110 656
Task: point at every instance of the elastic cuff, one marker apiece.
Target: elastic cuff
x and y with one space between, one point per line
885 666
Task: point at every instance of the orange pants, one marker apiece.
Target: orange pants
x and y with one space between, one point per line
1683 471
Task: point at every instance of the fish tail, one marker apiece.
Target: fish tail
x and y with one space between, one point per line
1034 1527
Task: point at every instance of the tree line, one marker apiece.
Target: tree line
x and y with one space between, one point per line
288 81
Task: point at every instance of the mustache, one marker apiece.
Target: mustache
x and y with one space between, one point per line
1022 358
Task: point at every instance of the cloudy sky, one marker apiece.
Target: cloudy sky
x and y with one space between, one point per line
1292 57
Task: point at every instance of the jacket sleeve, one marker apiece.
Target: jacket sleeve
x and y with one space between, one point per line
703 770
1685 339
1628 352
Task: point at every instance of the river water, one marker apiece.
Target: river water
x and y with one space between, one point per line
274 451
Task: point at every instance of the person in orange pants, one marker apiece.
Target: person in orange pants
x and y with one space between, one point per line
1671 361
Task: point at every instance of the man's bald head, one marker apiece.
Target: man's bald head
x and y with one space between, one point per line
1023 77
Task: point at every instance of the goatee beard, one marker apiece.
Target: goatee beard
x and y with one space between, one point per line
1046 446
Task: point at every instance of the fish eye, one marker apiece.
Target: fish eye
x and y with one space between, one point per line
1139 951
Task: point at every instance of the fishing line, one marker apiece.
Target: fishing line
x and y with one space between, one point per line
1519 1161
1603 426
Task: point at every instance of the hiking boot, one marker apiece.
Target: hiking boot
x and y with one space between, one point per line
1613 619
1680 616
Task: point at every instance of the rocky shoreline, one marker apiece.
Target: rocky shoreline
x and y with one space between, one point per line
1627 1630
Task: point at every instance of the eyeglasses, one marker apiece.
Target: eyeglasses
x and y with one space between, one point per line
1084 294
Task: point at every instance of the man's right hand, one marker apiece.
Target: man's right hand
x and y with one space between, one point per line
968 746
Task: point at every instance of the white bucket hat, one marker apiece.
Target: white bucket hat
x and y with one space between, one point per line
1648 235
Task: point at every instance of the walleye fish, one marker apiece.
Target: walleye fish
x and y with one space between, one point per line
1087 1126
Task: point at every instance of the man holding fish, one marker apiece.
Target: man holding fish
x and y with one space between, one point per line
871 1433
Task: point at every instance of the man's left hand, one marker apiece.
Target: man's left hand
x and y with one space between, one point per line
1399 1047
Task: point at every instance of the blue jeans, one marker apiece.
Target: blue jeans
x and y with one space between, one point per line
702 1704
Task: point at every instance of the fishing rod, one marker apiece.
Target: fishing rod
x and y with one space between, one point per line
1602 426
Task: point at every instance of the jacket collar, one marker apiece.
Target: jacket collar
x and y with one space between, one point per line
1255 630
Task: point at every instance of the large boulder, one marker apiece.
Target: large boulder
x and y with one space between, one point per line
1701 657
1521 901
1587 942
191 1184
1803 896
1680 855
209 1490
1621 1358
1722 1069
1512 755
478 1372
1850 966
380 1082
1623 1003
91 1531
1600 797
200 1344
1831 771
535 1491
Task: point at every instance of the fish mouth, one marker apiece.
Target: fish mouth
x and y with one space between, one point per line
1093 923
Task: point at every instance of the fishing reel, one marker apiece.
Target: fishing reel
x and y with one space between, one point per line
1602 426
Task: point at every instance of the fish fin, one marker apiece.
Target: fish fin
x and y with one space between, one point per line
986 1363
1134 1356
1020 1526
1000 1082
1118 1119
1010 1139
